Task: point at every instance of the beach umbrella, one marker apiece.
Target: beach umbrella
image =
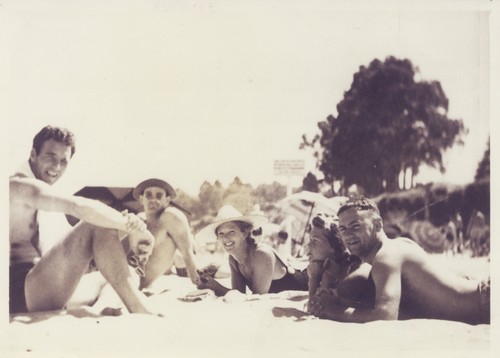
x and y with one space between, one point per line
119 198
304 204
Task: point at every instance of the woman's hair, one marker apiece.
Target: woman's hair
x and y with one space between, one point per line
61 135
329 228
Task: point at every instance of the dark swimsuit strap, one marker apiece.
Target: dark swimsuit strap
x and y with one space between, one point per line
288 267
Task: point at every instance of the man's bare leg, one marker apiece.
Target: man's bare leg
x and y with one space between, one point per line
54 278
111 260
159 262
88 289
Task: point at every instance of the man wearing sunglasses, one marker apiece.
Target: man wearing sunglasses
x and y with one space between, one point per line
171 230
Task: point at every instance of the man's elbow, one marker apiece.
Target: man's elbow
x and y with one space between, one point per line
386 314
364 316
80 208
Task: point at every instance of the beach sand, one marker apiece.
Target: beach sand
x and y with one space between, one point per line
263 326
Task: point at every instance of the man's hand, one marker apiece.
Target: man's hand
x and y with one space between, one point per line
142 244
314 306
323 304
134 223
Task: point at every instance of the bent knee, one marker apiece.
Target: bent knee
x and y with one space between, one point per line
39 297
94 230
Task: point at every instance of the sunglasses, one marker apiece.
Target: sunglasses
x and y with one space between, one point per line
139 267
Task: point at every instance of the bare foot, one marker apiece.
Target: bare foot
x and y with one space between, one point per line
110 311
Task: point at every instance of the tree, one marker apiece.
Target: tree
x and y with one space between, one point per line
266 194
483 170
240 196
387 123
310 183
210 198
186 201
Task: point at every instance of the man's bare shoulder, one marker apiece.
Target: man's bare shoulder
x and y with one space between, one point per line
404 240
392 252
396 251
173 214
22 185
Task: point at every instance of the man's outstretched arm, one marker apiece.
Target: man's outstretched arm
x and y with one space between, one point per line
387 279
42 196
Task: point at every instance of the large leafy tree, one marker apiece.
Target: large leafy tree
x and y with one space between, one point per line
483 170
387 122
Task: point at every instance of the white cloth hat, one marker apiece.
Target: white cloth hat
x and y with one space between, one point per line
226 214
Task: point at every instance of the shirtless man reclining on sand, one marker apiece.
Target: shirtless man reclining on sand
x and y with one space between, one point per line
42 281
407 282
332 268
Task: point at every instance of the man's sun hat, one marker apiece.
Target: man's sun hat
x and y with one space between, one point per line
226 214
139 189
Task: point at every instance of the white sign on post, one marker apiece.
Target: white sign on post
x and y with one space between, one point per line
289 167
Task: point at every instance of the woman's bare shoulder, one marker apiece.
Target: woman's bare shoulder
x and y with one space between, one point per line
263 253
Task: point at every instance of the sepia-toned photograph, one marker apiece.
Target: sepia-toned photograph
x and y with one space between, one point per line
244 179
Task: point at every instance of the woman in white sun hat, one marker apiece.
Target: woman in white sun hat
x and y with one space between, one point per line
253 265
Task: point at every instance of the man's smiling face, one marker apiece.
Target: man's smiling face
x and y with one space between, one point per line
358 230
51 162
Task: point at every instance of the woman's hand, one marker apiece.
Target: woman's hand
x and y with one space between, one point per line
209 282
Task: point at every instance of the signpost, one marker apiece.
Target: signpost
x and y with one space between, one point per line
289 168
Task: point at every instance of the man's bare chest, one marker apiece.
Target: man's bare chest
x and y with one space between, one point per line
22 222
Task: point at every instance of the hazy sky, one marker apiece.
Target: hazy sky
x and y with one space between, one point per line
199 90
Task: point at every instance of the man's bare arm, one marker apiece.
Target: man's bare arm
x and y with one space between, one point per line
387 279
41 196
178 229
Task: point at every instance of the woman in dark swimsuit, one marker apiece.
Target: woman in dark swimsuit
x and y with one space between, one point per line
253 265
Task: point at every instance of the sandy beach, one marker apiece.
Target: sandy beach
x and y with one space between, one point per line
262 325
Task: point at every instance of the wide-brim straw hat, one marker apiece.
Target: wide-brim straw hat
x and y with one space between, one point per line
139 189
226 214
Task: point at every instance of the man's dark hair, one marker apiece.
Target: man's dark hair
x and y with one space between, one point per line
359 203
340 253
61 135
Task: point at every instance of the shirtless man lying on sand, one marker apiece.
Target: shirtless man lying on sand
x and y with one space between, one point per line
407 282
42 281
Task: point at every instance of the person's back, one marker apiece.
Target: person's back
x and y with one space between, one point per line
430 290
